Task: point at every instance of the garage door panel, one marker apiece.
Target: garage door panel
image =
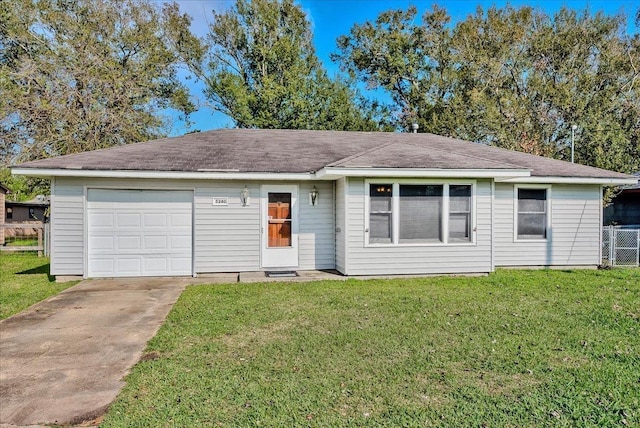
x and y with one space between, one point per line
129 265
139 233
103 266
98 220
101 243
126 219
180 242
155 264
179 219
180 263
155 220
162 197
127 242
158 242
101 197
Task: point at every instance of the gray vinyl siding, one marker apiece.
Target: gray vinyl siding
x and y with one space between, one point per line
226 238
574 234
316 231
367 260
67 227
341 226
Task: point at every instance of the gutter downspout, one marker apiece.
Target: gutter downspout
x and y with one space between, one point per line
335 226
493 203
601 199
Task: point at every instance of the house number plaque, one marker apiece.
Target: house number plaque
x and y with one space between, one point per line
221 202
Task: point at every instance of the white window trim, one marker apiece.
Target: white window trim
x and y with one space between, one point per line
546 187
395 209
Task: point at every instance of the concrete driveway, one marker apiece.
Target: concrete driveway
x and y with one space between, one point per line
63 360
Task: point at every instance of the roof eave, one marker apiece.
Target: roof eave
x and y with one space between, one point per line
166 175
27 204
603 181
327 173
497 174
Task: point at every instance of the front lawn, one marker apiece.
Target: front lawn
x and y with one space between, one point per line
22 242
517 348
24 280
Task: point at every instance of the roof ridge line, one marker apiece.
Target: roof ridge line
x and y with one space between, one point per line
518 153
357 155
413 143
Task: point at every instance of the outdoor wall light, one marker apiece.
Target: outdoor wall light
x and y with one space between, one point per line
313 196
244 196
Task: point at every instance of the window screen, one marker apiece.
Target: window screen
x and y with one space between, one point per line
420 213
380 213
532 213
459 213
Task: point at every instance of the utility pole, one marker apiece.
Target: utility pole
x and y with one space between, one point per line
573 130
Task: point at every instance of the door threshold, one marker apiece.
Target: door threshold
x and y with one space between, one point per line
281 274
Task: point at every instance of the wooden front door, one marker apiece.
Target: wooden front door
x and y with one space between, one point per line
280 223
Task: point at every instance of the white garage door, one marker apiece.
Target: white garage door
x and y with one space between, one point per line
139 232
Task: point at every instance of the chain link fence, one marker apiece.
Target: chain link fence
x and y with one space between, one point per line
620 246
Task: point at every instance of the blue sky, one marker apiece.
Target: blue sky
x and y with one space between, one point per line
333 18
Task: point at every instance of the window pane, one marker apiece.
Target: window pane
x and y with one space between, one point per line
380 228
532 226
532 200
459 198
459 227
380 197
460 190
420 213
279 219
380 213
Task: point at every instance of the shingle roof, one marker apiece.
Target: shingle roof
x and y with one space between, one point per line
293 151
35 202
634 186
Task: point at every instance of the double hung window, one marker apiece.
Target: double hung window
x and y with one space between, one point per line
380 220
459 213
414 213
532 213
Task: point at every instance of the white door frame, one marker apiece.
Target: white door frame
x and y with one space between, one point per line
282 257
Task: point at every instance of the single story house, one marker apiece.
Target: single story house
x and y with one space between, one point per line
624 209
362 203
24 211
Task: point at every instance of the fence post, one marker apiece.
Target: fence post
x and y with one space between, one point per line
47 239
611 245
40 246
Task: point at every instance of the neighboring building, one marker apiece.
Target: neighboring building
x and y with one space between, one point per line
624 209
363 203
25 211
3 192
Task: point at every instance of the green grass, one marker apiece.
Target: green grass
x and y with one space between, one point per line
25 280
22 242
516 348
